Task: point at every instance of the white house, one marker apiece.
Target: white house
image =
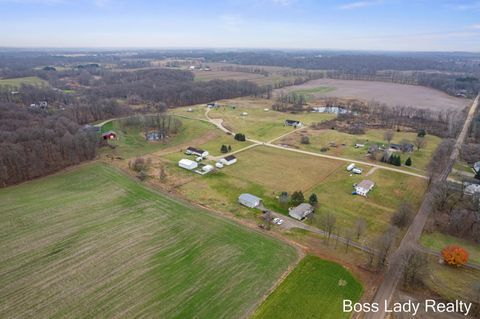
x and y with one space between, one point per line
187 164
364 187
196 151
249 200
228 160
301 211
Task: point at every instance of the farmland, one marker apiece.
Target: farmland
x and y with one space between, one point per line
345 144
315 289
259 123
391 94
93 243
17 82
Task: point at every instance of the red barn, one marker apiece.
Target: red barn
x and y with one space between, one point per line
110 135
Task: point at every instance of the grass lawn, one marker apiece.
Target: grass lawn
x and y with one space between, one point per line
453 283
391 188
131 141
438 241
316 288
17 82
322 138
260 124
92 242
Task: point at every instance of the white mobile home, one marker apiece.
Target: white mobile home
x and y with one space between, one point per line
364 187
249 200
196 151
228 160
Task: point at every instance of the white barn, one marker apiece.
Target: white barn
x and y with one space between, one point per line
196 151
187 164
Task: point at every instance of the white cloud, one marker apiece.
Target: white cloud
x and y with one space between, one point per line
231 22
359 4
474 26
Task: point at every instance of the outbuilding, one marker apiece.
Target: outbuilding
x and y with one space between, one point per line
249 200
293 123
110 135
187 164
196 151
228 160
364 187
301 211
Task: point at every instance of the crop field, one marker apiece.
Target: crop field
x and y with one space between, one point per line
437 241
17 82
258 123
323 138
391 188
310 93
314 289
392 94
92 242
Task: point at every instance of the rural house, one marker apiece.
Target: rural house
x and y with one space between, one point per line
228 160
301 211
196 151
407 147
364 187
249 200
187 164
109 135
293 123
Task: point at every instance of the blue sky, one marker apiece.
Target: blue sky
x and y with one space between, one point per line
414 25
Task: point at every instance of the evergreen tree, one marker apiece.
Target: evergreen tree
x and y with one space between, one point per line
408 162
229 148
224 149
313 200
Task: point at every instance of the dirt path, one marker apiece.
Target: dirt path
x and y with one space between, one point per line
410 242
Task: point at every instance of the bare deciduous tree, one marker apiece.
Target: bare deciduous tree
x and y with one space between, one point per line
419 142
388 136
360 227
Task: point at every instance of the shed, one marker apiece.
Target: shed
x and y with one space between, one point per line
249 200
364 187
187 164
293 123
228 160
110 135
301 211
196 151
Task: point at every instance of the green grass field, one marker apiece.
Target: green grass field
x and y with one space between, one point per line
334 196
438 241
131 141
309 93
92 242
316 288
260 124
322 138
17 82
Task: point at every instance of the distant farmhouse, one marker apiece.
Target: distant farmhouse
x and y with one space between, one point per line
364 187
407 147
228 160
213 105
196 151
249 200
293 123
43 105
301 211
110 135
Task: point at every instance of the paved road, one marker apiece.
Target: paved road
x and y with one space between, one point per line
410 241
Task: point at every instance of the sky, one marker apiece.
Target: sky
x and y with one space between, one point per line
393 25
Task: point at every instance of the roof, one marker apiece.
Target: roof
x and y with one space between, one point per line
300 210
472 189
195 150
109 132
187 162
292 121
249 198
229 158
365 184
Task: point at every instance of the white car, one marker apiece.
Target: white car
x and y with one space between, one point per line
276 220
280 222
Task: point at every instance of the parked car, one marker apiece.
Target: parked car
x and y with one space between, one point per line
275 220
280 222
